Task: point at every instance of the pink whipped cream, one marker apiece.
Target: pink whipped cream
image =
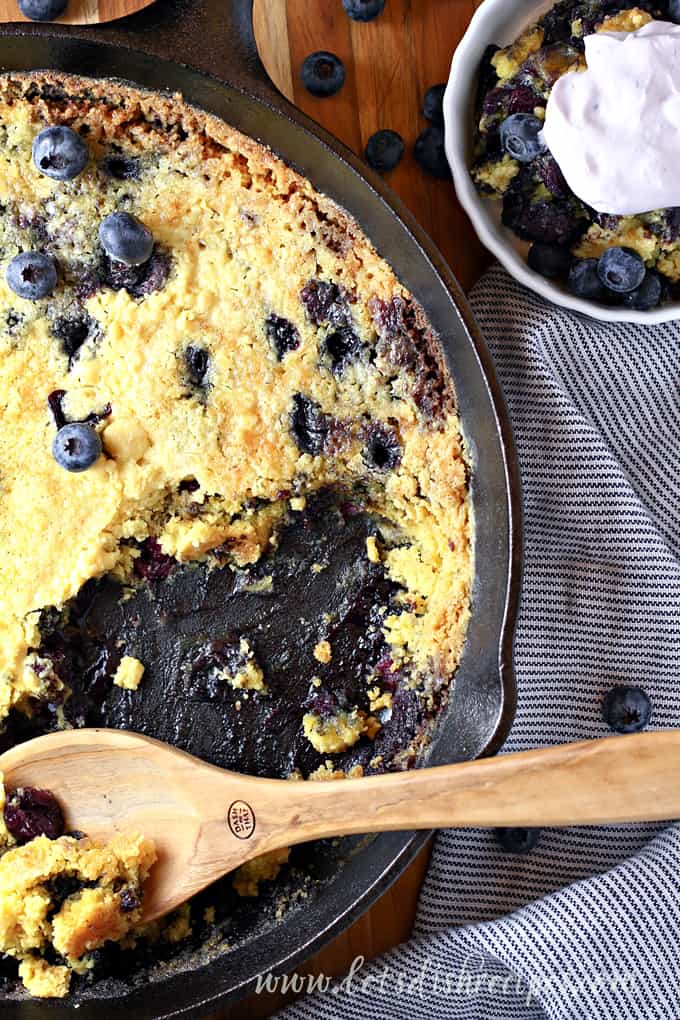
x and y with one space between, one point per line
614 128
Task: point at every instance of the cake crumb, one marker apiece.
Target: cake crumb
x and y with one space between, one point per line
264 868
322 652
328 771
44 980
337 733
249 675
372 550
378 699
129 673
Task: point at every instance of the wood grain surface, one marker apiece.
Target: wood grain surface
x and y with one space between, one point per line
81 12
390 64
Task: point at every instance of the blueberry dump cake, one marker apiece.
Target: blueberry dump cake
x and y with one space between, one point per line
233 492
62 896
557 115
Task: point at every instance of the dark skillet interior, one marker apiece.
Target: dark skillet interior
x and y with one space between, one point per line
477 719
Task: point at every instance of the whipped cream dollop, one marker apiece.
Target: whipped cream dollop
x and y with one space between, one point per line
614 128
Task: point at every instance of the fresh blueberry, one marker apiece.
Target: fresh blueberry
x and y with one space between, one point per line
30 813
647 295
323 74
282 335
42 10
430 154
384 150
32 275
626 709
363 10
674 11
549 260
198 363
517 840
521 136
125 239
433 105
60 153
76 447
584 280
621 270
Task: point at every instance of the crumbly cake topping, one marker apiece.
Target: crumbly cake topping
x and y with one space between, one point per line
261 372
195 374
65 898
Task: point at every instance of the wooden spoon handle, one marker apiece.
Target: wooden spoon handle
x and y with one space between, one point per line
618 779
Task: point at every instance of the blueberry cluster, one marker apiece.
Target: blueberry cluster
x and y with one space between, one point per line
323 75
129 260
429 148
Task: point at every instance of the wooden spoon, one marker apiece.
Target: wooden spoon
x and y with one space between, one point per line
206 821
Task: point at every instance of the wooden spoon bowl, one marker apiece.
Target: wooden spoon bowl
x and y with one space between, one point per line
206 821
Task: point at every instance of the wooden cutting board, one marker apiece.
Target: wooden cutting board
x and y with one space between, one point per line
390 63
81 12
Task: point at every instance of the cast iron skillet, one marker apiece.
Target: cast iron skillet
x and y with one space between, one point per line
216 35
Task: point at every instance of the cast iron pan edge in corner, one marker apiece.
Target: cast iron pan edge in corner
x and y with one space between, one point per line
217 37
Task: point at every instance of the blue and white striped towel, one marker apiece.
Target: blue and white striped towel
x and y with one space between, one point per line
596 412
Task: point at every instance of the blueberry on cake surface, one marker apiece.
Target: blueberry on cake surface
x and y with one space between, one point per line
568 238
225 412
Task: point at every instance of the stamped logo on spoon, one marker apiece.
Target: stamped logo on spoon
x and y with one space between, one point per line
241 819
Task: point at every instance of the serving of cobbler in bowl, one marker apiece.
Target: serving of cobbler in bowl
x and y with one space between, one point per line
566 168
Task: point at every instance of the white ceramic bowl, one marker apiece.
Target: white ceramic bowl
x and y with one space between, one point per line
500 22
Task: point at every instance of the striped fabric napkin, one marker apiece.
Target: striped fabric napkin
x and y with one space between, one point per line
587 925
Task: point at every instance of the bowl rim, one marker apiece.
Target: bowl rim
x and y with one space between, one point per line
485 28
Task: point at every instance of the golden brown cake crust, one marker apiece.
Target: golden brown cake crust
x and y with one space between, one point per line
244 234
318 373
